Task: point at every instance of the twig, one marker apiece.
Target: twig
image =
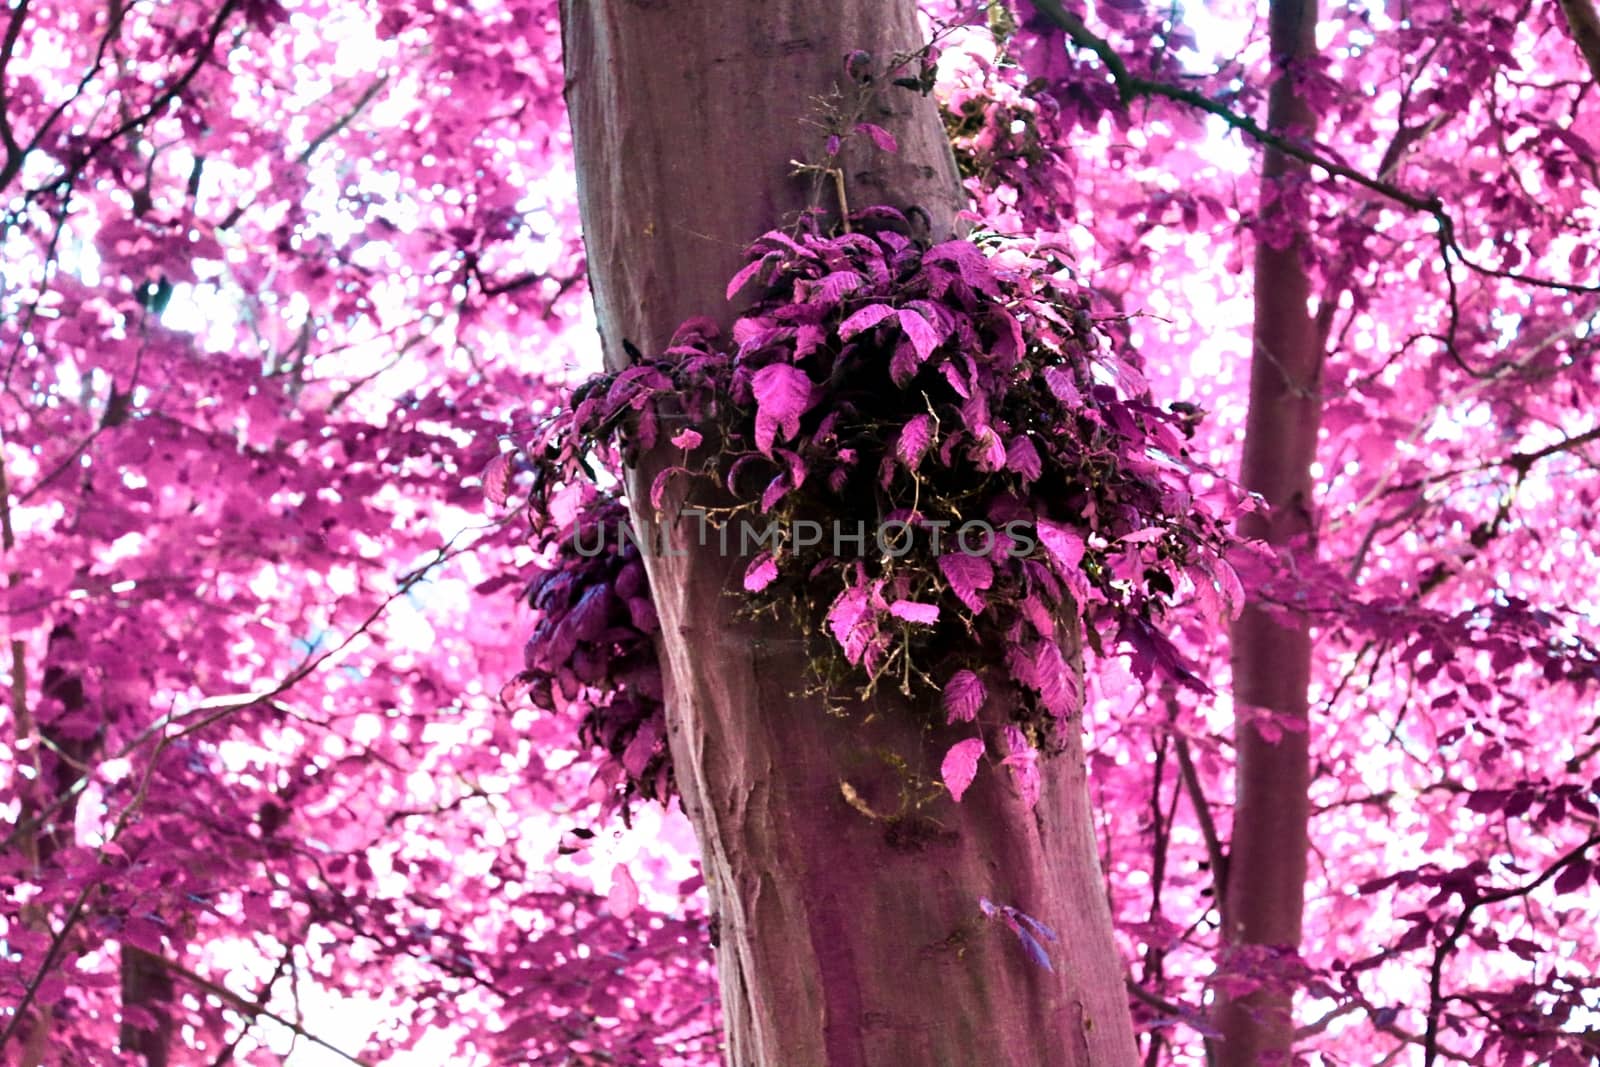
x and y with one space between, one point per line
252 1010
344 120
1208 827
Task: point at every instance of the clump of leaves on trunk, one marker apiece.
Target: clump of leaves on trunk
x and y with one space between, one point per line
949 466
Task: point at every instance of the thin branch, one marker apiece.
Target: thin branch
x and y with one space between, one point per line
225 1055
252 1010
344 120
1208 826
8 48
58 942
1131 87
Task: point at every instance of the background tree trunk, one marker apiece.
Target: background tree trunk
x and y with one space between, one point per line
1272 661
146 983
846 938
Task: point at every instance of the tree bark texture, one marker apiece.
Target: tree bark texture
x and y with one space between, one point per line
1272 658
849 925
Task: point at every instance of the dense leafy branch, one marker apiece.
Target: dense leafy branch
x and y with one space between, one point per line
1471 901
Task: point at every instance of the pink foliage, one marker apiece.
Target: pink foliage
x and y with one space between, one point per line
281 277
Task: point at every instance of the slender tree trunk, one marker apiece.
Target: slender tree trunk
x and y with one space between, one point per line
146 983
848 937
1272 660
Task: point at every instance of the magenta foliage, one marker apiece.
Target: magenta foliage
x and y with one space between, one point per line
593 645
993 452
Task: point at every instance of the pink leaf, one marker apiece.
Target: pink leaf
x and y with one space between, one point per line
497 479
783 393
1062 544
747 272
831 288
987 452
864 320
686 439
851 620
903 364
920 332
911 611
963 696
624 895
960 766
642 749
880 136
761 572
968 577
1144 536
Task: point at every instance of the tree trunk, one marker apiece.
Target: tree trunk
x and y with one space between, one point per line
146 983
848 936
1272 661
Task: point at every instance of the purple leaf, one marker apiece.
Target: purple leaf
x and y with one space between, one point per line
750 270
1062 544
776 490
963 697
1035 951
987 452
969 259
497 479
960 766
912 611
903 365
831 288
1228 583
1487 801
1572 877
915 436
589 615
863 320
957 380
658 485
968 577
880 136
1059 381
1039 929
1023 458
783 393
920 332
636 757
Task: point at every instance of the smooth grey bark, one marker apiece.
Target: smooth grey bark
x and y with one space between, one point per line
1271 659
848 937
